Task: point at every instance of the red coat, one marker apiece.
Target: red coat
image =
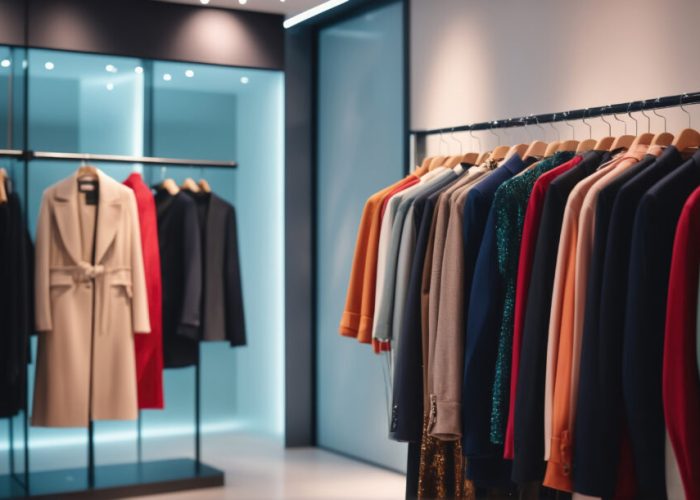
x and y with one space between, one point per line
681 387
149 348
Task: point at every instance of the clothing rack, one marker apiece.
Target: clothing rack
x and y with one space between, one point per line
141 478
146 160
576 114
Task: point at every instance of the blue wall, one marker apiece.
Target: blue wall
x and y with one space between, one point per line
360 151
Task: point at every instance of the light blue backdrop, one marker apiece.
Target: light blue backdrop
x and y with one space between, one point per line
360 151
98 104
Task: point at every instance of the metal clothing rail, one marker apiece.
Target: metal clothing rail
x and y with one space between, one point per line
576 114
147 160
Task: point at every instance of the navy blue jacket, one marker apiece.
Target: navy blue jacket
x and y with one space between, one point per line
407 404
588 414
601 416
528 460
645 315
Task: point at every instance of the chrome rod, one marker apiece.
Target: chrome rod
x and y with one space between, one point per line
148 160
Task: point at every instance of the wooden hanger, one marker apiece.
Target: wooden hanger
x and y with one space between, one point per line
518 149
452 161
688 138
426 162
190 185
499 153
643 139
536 149
623 141
569 145
586 145
604 144
3 191
87 171
470 158
170 186
552 148
483 157
436 162
204 185
662 139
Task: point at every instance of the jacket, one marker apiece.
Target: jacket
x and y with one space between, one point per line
90 299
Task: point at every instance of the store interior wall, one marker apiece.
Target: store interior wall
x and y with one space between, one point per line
360 151
219 113
474 61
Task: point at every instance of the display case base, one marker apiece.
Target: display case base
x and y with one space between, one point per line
116 481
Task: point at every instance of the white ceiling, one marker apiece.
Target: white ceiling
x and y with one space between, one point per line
287 7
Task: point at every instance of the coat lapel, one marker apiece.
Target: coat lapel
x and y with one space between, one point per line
108 214
67 219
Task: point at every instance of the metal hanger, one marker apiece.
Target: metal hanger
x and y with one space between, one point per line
662 138
622 141
605 143
590 143
688 138
572 144
644 138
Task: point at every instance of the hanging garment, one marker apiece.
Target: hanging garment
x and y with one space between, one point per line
181 271
221 316
652 242
16 305
531 226
528 428
566 320
149 348
606 442
589 383
90 299
681 386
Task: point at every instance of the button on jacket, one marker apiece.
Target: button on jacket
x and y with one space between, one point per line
588 417
149 348
528 429
90 300
681 387
531 226
652 242
181 270
609 401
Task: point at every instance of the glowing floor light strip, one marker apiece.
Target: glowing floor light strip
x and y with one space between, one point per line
314 11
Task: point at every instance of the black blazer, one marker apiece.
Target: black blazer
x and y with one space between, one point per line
222 316
599 415
407 401
181 275
16 305
528 459
645 315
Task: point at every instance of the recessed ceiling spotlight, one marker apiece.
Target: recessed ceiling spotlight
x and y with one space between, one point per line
189 73
167 77
5 63
244 80
242 2
111 68
110 86
138 70
49 65
204 2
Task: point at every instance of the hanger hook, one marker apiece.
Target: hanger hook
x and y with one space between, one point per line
442 141
573 129
478 140
556 130
527 130
452 136
624 123
653 110
498 138
641 110
590 129
685 110
602 117
636 125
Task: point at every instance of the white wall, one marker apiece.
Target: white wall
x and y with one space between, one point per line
475 60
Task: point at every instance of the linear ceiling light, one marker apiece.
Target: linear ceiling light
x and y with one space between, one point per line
312 12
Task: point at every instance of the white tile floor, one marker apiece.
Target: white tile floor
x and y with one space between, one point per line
260 468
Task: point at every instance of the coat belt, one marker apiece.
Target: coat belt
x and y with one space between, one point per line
103 278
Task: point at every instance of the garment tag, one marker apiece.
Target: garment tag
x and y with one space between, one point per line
89 188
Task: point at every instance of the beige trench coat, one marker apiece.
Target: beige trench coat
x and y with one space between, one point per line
72 293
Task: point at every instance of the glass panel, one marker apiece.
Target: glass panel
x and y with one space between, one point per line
86 103
360 151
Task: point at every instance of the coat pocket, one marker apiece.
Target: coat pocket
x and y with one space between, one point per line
119 306
60 282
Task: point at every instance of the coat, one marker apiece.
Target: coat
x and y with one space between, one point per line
149 348
90 297
15 306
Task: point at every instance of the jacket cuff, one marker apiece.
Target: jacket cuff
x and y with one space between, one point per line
188 331
445 420
349 324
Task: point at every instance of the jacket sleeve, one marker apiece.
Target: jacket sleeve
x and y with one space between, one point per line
235 317
139 301
42 299
192 272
